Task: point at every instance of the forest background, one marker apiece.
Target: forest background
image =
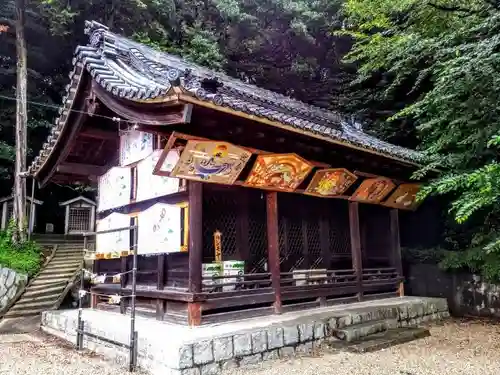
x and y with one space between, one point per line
423 74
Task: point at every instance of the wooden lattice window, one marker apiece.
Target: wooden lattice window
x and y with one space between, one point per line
79 219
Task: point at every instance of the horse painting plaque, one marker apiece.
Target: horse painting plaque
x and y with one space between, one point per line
330 182
210 161
404 197
278 172
373 190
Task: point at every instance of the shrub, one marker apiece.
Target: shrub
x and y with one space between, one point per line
25 257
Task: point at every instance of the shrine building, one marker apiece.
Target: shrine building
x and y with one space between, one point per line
240 202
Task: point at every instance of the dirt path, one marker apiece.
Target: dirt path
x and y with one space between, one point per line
466 347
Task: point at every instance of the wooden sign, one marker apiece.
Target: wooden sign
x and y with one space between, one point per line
330 182
159 229
218 246
373 190
210 161
114 188
404 197
134 146
166 162
113 245
278 172
153 186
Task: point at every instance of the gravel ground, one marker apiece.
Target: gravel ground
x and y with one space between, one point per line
458 347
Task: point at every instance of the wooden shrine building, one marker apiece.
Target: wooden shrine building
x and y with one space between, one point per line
7 204
79 215
240 201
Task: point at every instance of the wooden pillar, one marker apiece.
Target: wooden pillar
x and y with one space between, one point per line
195 248
160 285
66 220
92 219
5 219
396 247
357 262
273 247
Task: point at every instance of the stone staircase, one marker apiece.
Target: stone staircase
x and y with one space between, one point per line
369 331
47 290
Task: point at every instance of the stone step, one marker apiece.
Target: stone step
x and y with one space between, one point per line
378 341
39 299
44 305
43 290
357 331
50 282
22 314
54 276
59 270
67 259
62 266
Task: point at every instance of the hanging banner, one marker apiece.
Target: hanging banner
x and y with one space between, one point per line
115 244
153 186
160 229
134 146
114 188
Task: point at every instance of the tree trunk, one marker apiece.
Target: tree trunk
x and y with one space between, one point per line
21 127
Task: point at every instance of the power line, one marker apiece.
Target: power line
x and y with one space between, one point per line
57 107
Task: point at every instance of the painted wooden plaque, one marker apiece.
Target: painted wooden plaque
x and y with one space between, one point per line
153 186
210 161
404 197
114 188
330 182
134 146
115 244
160 229
278 171
373 190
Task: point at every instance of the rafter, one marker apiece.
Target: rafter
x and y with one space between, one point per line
81 169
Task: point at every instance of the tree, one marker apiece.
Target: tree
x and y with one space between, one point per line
442 58
21 126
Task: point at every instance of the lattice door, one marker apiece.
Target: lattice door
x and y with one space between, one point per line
79 219
220 209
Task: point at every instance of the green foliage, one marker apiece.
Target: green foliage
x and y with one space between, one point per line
24 257
440 59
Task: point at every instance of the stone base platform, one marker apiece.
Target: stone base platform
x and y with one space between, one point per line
169 349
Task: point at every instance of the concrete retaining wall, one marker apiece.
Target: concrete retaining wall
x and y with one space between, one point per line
467 294
11 284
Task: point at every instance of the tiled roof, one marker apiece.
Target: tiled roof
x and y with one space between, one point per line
133 71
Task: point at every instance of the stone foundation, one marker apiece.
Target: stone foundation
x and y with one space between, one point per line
208 350
11 284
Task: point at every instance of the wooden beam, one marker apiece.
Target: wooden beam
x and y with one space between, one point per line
99 134
80 169
273 247
357 262
195 249
396 246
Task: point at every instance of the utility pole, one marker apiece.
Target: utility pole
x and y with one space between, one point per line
21 126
